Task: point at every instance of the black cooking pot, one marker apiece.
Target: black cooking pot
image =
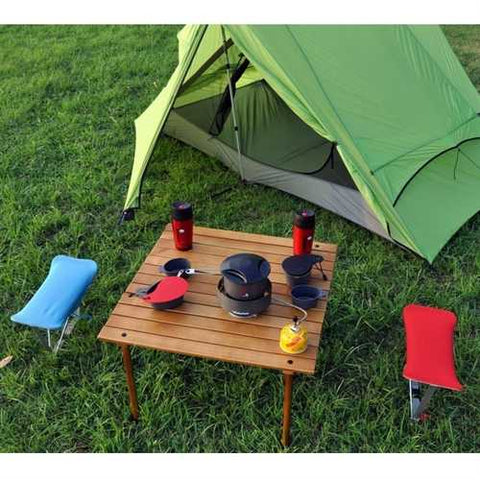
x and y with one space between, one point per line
245 276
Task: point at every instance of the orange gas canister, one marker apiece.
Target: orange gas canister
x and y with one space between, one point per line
293 338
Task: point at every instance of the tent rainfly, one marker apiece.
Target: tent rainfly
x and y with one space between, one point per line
379 124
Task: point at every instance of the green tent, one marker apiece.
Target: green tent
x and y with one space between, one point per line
379 124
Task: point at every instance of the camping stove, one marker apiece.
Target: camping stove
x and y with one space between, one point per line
244 315
244 308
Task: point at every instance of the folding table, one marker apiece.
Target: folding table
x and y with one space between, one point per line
200 327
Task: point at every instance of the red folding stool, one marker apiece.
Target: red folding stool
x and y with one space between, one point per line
430 357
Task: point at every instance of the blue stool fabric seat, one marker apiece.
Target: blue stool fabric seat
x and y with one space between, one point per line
59 295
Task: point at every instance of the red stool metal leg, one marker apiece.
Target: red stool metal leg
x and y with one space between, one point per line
419 404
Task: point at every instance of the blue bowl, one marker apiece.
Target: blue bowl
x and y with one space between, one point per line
173 266
306 296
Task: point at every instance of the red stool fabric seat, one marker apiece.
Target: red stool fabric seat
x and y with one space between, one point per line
429 338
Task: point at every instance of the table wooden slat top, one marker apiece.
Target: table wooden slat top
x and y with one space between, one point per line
200 327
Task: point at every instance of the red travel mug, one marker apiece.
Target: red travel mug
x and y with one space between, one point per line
303 232
182 225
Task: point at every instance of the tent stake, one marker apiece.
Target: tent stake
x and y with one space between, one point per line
234 115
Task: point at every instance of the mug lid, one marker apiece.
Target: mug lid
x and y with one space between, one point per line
182 210
305 219
298 265
245 268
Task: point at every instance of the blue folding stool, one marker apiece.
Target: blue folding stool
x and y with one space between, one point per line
59 296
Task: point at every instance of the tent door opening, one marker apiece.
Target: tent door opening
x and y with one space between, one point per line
270 133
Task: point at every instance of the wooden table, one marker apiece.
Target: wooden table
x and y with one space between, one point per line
200 327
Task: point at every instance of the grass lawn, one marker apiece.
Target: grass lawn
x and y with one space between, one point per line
69 96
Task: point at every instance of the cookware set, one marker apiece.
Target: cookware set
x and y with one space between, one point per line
244 289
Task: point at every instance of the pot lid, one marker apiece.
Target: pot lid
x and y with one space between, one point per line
245 268
167 290
298 265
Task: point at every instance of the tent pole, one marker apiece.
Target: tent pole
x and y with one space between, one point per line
234 115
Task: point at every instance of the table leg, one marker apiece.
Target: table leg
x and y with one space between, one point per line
287 404
132 392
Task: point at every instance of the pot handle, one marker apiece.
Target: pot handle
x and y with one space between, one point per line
144 292
318 264
235 273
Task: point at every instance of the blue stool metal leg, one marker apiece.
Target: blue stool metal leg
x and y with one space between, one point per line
73 320
59 343
68 327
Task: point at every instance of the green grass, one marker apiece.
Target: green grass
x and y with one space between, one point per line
68 98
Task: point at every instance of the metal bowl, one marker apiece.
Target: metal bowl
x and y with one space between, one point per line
174 266
306 296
